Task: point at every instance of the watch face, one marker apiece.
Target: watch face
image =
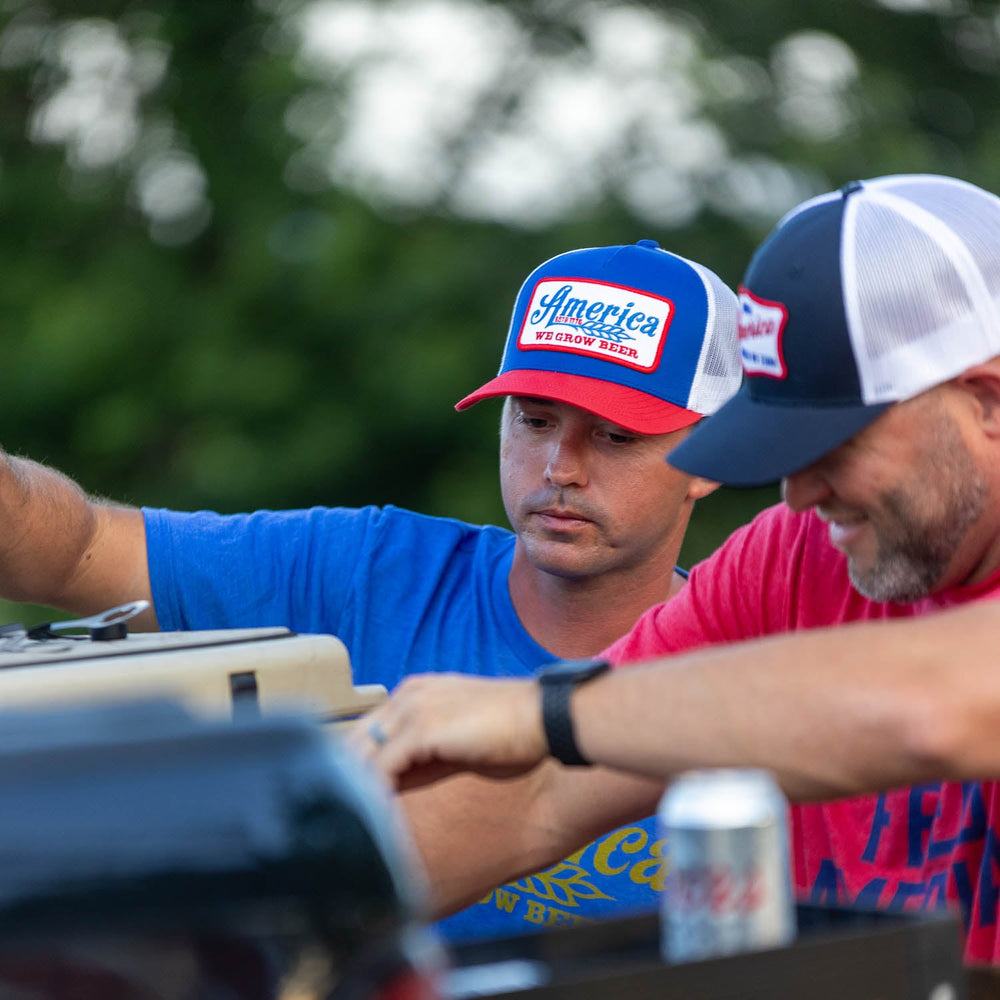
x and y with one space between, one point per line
572 670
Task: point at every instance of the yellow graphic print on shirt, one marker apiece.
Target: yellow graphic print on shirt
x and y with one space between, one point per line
628 859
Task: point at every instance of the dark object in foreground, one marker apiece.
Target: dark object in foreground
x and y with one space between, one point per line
838 953
147 854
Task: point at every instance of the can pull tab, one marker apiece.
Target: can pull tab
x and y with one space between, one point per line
110 624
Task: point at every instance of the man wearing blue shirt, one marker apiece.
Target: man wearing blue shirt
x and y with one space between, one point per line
613 353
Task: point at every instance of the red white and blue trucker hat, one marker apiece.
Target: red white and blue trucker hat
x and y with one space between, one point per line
635 334
858 299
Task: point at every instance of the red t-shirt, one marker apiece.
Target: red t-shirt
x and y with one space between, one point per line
911 848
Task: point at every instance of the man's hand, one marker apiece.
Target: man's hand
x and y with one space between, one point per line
436 725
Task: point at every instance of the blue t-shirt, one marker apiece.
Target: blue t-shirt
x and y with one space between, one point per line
406 593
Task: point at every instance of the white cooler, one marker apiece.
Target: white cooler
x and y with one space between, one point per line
223 672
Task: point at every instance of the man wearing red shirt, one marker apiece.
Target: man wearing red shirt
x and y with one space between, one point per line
870 342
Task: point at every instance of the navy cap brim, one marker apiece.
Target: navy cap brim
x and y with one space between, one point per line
749 443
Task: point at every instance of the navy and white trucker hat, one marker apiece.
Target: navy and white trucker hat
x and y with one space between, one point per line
634 333
858 299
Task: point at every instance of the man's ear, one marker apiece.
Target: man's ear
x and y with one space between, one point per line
983 382
699 488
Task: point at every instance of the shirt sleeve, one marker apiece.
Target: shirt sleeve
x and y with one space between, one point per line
289 568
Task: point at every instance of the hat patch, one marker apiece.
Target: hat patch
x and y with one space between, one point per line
761 329
596 319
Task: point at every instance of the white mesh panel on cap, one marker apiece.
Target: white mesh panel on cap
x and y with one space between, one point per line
921 275
718 373
970 212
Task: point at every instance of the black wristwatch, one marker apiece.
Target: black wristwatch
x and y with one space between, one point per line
558 681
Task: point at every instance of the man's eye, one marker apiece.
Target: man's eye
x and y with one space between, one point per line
536 422
620 438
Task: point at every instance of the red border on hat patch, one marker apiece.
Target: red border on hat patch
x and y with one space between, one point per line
761 333
596 319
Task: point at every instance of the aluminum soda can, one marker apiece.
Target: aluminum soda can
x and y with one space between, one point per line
728 887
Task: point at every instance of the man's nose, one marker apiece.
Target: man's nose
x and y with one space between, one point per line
805 488
567 462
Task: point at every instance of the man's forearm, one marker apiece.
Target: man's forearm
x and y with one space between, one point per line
833 712
475 833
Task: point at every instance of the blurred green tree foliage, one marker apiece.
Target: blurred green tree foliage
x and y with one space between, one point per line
189 321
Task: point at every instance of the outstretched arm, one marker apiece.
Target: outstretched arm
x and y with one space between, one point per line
61 548
832 712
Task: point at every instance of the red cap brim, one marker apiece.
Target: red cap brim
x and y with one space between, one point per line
628 408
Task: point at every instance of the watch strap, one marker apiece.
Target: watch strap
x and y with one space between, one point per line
558 723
